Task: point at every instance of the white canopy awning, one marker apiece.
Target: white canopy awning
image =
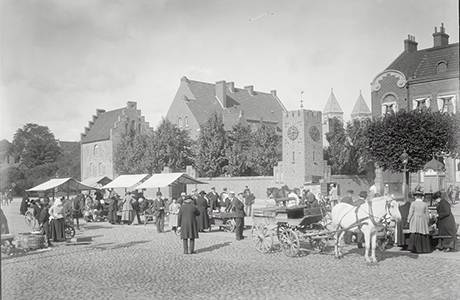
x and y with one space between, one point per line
126 181
163 180
97 182
69 183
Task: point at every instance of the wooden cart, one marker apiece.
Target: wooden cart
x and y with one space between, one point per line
292 226
225 221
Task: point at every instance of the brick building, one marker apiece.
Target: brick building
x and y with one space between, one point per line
195 101
101 137
420 78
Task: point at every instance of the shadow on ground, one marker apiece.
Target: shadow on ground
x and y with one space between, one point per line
384 255
213 247
112 246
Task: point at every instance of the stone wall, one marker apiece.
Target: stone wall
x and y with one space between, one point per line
96 159
351 182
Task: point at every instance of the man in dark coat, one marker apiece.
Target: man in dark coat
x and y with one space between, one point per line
402 241
187 224
238 207
214 199
113 209
159 208
24 204
203 218
446 224
43 221
249 200
137 209
181 199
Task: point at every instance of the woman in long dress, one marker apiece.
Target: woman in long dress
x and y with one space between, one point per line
419 239
127 214
446 224
203 218
113 208
57 221
173 212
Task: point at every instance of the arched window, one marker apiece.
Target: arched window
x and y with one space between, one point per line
95 150
179 122
186 121
442 66
447 104
100 169
421 103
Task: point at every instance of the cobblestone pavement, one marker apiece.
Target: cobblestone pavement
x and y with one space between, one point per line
134 262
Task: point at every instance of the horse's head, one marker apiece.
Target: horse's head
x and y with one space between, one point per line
393 209
269 192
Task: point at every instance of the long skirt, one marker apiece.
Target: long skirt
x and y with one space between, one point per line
419 243
401 239
172 220
127 215
57 230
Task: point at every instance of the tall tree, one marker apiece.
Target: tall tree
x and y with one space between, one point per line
337 153
359 160
266 150
211 147
237 151
172 147
69 163
422 133
36 145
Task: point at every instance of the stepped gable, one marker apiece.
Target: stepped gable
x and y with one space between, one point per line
361 107
102 124
255 105
332 105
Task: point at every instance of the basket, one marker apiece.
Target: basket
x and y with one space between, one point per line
30 241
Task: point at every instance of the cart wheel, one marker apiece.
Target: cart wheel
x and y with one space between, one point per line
290 243
69 232
262 238
230 226
30 220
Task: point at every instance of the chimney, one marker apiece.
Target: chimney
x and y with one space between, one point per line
440 38
250 89
410 45
131 105
184 79
221 94
231 86
273 92
99 112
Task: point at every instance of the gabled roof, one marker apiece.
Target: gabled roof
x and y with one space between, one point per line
259 106
423 63
360 107
332 105
101 129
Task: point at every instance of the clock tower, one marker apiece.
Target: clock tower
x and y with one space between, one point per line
302 147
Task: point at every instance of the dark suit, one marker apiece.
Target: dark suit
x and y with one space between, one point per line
159 208
238 207
180 200
213 200
203 218
186 220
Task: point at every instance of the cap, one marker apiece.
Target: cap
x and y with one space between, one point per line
202 193
231 193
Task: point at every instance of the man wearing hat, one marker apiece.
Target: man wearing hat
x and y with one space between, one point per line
214 199
187 224
43 220
181 199
159 207
203 219
238 207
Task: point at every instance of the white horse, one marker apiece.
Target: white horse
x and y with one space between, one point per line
366 217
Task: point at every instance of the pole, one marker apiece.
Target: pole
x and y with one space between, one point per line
404 189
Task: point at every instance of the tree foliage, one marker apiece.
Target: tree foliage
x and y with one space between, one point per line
210 158
359 160
237 151
36 145
266 150
337 153
69 163
422 133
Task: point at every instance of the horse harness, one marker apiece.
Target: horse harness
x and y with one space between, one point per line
359 221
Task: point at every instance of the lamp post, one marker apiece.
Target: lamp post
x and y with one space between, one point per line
405 159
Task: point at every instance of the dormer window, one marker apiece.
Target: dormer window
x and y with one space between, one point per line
421 103
447 104
186 121
442 66
389 104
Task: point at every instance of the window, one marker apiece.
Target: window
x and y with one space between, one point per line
179 122
391 107
95 150
100 169
421 103
186 121
447 104
442 66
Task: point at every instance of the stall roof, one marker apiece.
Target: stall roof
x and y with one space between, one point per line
126 181
163 180
71 183
97 181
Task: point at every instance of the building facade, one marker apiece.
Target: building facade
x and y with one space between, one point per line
420 78
102 136
195 101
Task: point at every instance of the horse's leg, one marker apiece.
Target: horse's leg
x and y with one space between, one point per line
336 248
367 241
78 224
373 244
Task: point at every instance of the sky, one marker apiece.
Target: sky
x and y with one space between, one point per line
61 60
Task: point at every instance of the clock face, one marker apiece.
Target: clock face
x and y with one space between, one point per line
293 132
315 134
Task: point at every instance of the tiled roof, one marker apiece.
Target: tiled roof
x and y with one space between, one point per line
423 63
232 119
332 105
259 106
360 107
100 131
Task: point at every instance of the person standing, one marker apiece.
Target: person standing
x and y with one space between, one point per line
181 199
113 209
173 212
4 223
333 196
446 224
419 239
372 191
237 206
127 214
223 199
401 239
24 204
57 221
136 208
43 221
203 218
249 200
187 224
214 199
159 207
